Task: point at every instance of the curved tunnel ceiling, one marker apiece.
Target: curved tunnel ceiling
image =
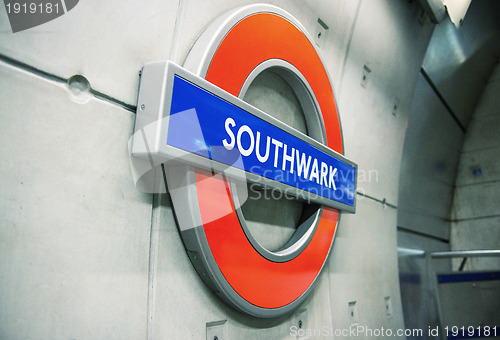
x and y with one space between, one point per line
460 60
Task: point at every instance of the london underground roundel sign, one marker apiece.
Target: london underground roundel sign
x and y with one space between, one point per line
193 120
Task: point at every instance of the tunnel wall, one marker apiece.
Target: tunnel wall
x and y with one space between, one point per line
84 255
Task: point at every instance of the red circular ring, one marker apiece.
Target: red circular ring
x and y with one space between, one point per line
263 283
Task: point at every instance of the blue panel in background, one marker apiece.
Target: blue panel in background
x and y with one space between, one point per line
202 123
468 277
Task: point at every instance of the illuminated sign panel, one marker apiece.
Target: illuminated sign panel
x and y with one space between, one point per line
218 129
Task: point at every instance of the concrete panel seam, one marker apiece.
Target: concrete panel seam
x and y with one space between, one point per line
153 264
459 186
418 233
442 99
175 35
474 218
351 33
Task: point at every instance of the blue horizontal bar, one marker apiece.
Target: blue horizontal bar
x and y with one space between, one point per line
209 126
468 277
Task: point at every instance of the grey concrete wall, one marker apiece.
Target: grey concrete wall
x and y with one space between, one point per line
456 67
83 255
74 234
476 199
